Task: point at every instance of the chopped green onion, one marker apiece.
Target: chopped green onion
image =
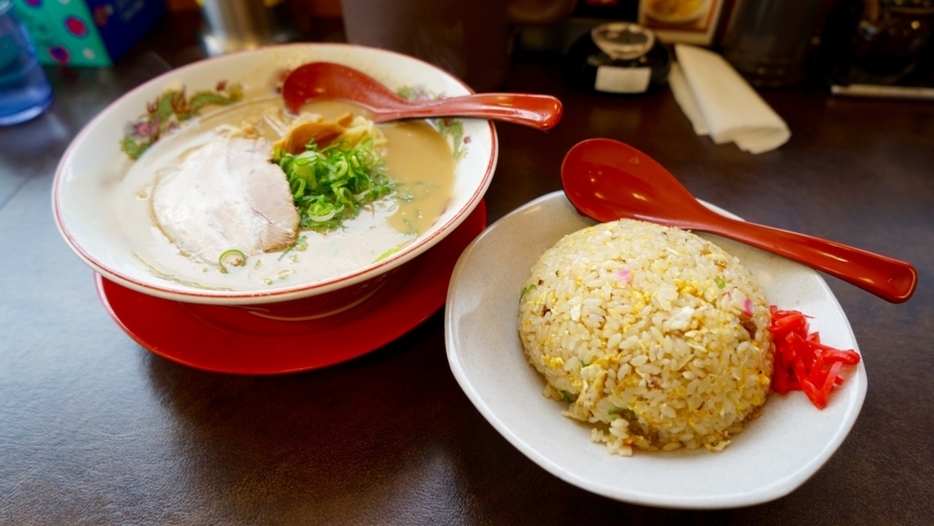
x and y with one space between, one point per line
568 397
332 184
232 257
301 245
388 253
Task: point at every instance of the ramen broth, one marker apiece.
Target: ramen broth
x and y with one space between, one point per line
419 160
417 157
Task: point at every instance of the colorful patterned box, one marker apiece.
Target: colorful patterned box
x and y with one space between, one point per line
86 32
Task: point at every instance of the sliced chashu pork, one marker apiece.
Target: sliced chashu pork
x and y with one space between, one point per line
226 195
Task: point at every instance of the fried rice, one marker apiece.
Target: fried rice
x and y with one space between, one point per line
654 335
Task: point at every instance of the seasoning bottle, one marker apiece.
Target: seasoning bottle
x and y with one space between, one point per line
617 57
24 90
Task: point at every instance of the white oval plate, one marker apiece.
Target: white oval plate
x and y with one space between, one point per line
774 455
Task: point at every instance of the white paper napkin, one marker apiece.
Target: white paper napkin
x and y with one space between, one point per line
719 102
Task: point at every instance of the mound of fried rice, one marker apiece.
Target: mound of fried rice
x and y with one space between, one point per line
656 336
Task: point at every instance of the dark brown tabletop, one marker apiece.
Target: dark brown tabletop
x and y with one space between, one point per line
95 429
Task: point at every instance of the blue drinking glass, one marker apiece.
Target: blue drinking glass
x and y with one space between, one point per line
24 91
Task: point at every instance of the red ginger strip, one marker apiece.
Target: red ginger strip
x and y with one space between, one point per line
802 362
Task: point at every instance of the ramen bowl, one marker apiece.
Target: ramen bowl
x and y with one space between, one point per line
103 181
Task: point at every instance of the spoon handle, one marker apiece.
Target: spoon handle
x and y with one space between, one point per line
888 278
541 112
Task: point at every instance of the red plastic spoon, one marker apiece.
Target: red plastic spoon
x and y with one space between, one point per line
608 180
326 80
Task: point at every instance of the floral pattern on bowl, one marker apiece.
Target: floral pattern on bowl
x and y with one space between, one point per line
169 110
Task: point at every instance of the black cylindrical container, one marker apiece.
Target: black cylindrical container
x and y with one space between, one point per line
618 57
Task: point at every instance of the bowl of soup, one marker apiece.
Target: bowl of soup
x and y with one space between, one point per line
200 185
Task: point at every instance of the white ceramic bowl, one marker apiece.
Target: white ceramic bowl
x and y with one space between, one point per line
95 162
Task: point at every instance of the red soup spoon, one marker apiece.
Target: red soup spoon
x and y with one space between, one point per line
326 80
608 180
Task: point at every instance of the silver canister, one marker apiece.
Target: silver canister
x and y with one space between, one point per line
237 25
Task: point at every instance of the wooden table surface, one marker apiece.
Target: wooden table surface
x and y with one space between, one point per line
94 429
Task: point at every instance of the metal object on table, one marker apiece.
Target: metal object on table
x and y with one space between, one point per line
767 40
237 25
